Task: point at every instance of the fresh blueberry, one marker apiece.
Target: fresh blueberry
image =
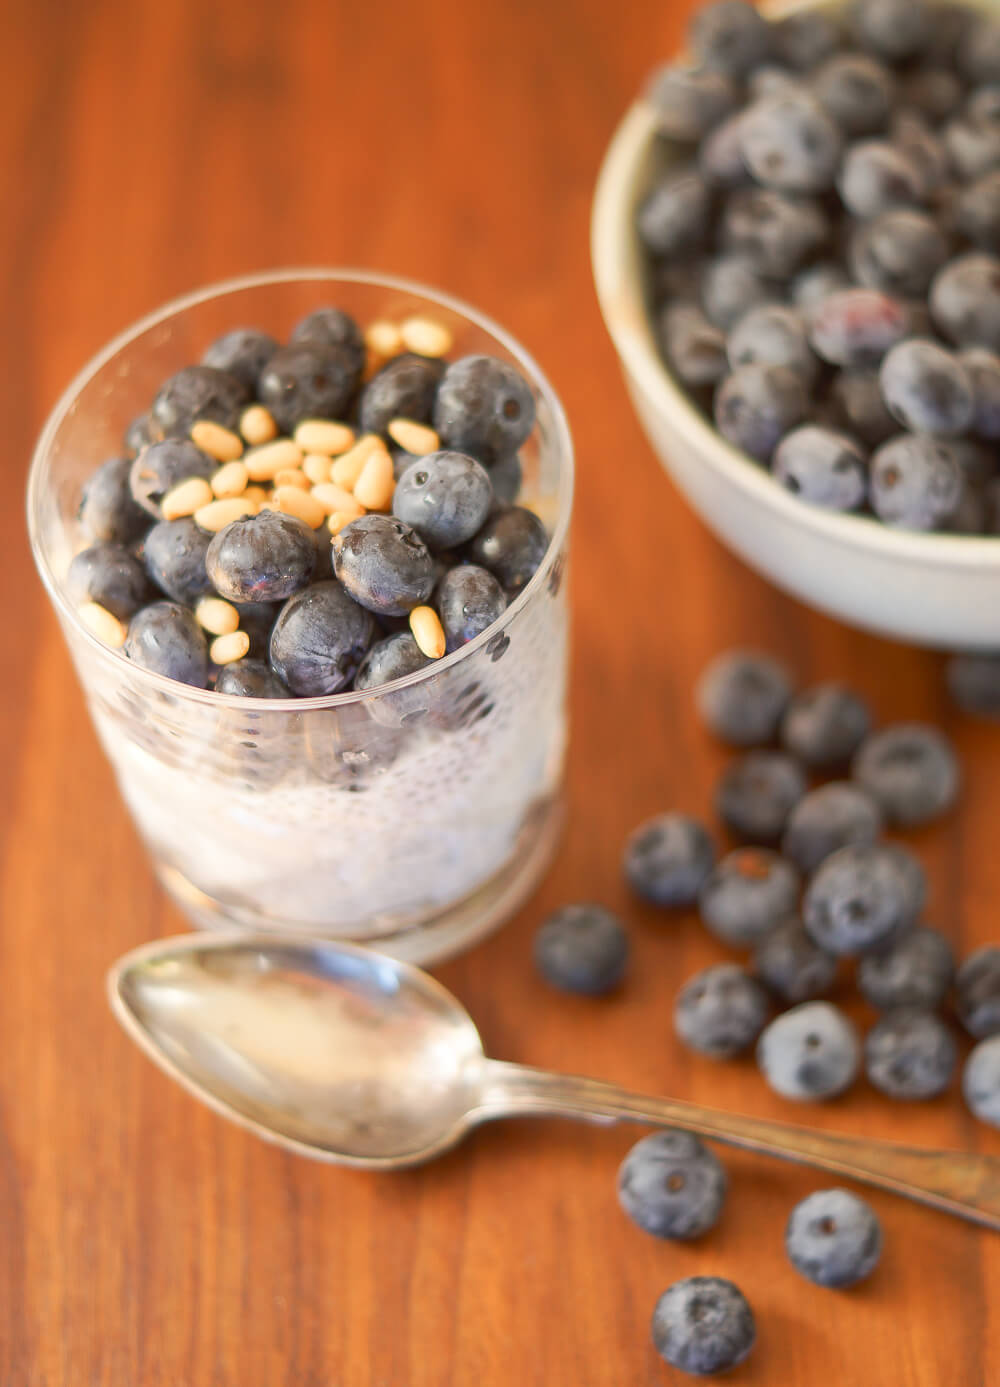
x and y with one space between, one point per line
978 52
824 725
827 819
856 327
771 79
694 348
790 143
926 388
582 948
982 368
833 1238
395 657
981 1081
484 406
877 176
974 683
892 30
403 389
688 102
915 482
320 639
926 149
915 972
863 897
972 141
813 284
674 215
730 287
898 252
108 511
468 599
243 353
703 1325
806 39
757 792
384 565
257 620
747 894
511 544
329 327
720 1012
965 301
720 156
446 499
910 768
757 405
772 335
822 467
977 992
910 1053
261 558
856 91
788 962
672 1186
667 859
857 406
249 678
730 36
506 476
976 212
161 466
810 1052
139 433
310 381
198 392
742 696
110 575
165 638
776 233
934 92
174 552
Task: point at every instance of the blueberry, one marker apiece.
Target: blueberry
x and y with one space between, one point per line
243 353
965 301
915 972
910 1054
110 575
806 39
747 894
771 79
982 368
468 599
833 1238
262 558
926 150
863 897
981 1081
582 948
777 234
826 819
810 1052
972 140
329 327
790 143
672 1186
108 511
139 433
892 30
667 859
720 1011
858 407
485 407
506 476
978 51
730 286
673 217
310 381
788 962
977 992
729 36
249 678
720 156
772 335
856 91
688 102
932 91
161 466
976 212
823 467
165 638
198 392
877 176
174 552
257 620
898 252
984 102
395 657
695 349
927 388
320 639
511 544
703 1325
446 499
856 327
403 389
974 683
757 405
384 565
824 725
742 696
910 769
757 792
812 285
915 482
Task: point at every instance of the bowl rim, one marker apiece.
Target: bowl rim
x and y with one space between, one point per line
327 275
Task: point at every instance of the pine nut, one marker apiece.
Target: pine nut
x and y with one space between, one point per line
217 616
185 498
225 649
413 437
316 467
346 469
263 463
332 497
302 504
340 518
219 443
255 496
425 336
230 480
383 338
292 476
376 484
103 624
257 425
428 632
218 514
324 436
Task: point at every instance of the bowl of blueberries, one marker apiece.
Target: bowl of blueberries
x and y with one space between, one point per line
796 247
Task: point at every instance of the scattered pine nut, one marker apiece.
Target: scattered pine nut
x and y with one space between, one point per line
257 425
383 338
316 467
376 484
217 616
225 649
265 462
218 442
218 514
290 500
292 476
428 632
332 497
103 624
185 498
324 436
413 437
346 469
255 496
340 518
230 480
425 336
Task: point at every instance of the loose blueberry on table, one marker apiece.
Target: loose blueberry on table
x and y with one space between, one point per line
672 1186
833 1238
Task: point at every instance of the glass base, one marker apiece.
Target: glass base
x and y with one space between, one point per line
427 939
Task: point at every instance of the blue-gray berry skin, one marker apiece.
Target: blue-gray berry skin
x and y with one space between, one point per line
582 948
468 600
506 475
772 335
972 140
445 499
790 143
484 407
249 678
395 657
667 859
931 90
770 79
926 388
976 212
916 971
688 102
911 1054
730 36
981 1081
403 389
174 552
243 353
965 300
926 148
310 381
877 176
858 408
139 434
794 968
757 405
384 565
806 39
863 897
833 1238
165 638
110 575
855 328
899 252
262 558
720 156
974 683
511 544
810 1052
320 639
823 467
673 217
721 1011
983 370
695 349
827 819
856 91
757 792
747 894
703 1325
672 1186
813 284
915 482
257 620
161 466
824 725
108 511
730 286
777 234
911 769
893 30
198 392
328 327
742 696
977 992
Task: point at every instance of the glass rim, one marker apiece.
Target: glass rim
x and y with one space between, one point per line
264 279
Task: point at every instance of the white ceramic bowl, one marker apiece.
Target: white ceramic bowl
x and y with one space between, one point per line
939 590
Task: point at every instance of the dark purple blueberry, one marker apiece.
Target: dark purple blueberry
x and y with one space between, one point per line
827 819
974 683
747 894
667 859
161 466
911 1054
856 327
856 91
320 639
822 467
979 50
198 392
911 769
174 552
688 102
795 969
976 212
673 218
915 483
695 349
981 1081
972 140
243 353
863 898
582 948
672 1186
309 381
771 79
506 476
805 39
484 407
403 389
468 599
729 36
824 725
877 176
916 971
511 544
790 143
983 370
110 575
776 233
257 620
703 1325
165 638
248 678
329 327
965 301
934 92
858 407
108 510
395 657
742 695
772 335
899 252
139 433
813 284
810 1052
757 405
721 1011
384 565
720 156
263 558
977 992
892 30
446 498
926 388
757 792
910 133
833 1238
730 287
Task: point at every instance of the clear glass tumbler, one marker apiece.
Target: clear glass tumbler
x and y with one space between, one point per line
416 816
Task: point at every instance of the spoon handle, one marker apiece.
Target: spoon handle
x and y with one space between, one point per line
958 1182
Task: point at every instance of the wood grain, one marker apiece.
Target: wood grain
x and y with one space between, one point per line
151 148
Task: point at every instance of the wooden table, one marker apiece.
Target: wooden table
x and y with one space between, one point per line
145 1243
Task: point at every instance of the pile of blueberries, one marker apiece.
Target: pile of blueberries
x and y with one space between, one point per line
824 250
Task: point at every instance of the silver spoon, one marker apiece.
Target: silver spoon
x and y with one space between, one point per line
339 1053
